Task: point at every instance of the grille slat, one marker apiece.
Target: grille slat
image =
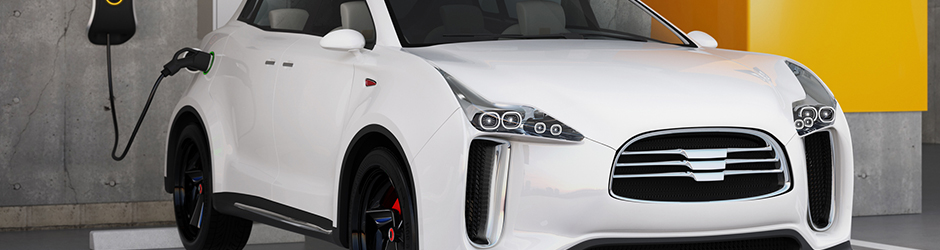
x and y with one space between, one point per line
819 173
692 163
699 165
698 141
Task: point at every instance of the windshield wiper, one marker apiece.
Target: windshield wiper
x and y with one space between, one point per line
619 36
626 35
518 36
603 33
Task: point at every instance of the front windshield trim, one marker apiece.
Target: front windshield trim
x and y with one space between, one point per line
398 32
675 29
403 41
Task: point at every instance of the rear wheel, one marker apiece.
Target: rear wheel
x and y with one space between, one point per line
199 225
383 213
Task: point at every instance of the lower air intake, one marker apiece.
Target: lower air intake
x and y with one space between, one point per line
782 243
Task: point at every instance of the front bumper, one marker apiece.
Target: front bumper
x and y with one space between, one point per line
557 198
716 240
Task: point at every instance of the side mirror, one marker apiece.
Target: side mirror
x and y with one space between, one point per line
344 40
703 39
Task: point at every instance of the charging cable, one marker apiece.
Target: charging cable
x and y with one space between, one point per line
192 59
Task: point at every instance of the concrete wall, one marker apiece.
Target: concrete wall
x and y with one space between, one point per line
87 215
887 149
932 116
55 126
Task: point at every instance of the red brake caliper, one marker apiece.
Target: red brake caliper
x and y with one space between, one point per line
391 231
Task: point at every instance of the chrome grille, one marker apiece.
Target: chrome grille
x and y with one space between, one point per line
700 165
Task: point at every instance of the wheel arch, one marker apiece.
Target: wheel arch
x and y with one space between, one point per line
367 138
185 116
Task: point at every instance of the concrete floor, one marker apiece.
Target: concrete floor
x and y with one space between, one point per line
917 231
921 231
77 239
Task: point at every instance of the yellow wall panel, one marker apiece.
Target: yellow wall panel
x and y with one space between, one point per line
726 20
872 54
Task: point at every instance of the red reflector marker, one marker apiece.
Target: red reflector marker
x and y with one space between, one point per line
370 82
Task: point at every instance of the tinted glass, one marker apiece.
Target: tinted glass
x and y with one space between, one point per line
429 22
316 17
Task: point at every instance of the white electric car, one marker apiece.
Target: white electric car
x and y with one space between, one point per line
503 124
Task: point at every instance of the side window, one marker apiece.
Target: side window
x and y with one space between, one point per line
247 11
262 13
489 6
324 15
315 17
271 9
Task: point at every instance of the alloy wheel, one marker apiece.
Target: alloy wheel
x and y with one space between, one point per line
188 198
381 217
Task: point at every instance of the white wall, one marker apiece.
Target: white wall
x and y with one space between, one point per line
222 12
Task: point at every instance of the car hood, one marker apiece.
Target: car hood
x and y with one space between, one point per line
611 91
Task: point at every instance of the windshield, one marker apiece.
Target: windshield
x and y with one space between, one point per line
429 22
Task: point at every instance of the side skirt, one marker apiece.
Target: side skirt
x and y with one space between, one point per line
275 214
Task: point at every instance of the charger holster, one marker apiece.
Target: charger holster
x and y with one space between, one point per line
111 17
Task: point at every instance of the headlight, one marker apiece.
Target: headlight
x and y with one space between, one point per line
817 111
487 116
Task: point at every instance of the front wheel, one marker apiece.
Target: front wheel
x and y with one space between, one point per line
383 215
201 226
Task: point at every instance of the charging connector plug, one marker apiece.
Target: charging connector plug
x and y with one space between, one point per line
192 59
189 58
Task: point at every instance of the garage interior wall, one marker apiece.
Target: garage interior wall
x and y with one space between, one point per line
932 116
55 128
725 20
872 56
55 122
874 59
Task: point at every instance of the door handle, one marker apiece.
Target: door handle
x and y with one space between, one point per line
269 62
288 64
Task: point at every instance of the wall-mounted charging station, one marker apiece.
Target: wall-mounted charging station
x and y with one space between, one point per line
114 22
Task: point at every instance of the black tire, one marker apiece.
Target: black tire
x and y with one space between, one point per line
380 184
200 226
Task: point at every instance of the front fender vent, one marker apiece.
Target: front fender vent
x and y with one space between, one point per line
487 171
819 173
